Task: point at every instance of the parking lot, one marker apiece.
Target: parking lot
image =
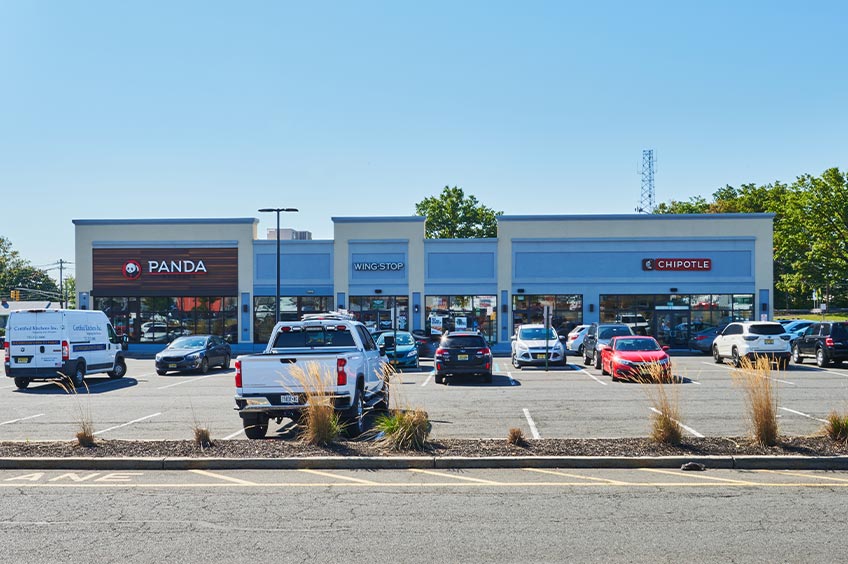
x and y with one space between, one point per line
564 402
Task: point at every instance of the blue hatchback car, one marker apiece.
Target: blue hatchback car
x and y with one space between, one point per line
401 348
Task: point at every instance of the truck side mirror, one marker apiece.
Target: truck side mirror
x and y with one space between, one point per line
125 342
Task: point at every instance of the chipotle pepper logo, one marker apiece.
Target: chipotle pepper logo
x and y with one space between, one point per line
132 270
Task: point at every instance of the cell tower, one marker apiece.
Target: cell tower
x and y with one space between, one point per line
646 201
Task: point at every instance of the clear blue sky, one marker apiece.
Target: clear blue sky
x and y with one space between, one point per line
215 109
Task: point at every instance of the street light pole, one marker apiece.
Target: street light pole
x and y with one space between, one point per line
277 293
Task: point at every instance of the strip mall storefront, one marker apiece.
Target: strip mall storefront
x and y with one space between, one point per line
666 276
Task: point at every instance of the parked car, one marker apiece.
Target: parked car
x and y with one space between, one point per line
400 348
195 352
463 352
574 340
826 342
796 327
597 337
631 358
703 340
752 339
424 343
535 344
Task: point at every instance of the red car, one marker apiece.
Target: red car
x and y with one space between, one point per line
630 357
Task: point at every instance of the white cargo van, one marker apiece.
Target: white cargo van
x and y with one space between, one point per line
42 343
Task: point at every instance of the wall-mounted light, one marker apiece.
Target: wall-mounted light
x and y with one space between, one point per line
591 308
416 308
310 292
672 290
503 308
764 307
520 290
244 308
378 291
341 306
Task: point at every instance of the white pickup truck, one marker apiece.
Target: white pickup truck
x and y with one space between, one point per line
343 351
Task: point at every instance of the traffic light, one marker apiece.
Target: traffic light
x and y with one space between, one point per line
16 295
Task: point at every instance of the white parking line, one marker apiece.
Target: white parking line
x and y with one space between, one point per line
533 430
689 429
427 381
186 381
21 419
592 376
802 414
125 424
234 435
731 367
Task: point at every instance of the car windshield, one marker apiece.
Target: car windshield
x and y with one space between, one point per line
535 334
636 345
611 332
767 329
401 339
188 343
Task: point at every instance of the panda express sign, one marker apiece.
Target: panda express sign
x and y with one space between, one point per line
677 264
165 272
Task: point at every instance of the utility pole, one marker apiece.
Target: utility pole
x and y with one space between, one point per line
61 284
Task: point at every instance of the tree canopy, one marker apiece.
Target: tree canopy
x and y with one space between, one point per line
16 272
810 231
453 215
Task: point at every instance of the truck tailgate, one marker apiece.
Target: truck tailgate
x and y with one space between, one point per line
283 373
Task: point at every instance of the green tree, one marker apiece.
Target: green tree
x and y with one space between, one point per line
16 272
70 289
453 215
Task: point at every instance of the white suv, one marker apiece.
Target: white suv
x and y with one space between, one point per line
752 339
529 346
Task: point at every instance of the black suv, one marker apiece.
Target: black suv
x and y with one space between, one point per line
463 352
597 337
826 342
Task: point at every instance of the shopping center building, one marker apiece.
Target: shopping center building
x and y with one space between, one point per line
666 275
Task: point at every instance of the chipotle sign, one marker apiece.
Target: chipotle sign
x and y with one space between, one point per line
697 264
165 272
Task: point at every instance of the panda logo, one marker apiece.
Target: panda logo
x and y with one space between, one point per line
131 270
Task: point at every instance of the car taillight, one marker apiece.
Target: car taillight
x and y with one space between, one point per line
341 375
828 341
750 337
66 351
440 352
6 348
484 352
572 337
238 374
700 337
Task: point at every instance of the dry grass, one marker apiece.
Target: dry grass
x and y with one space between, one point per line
665 403
404 429
837 427
85 424
761 398
320 420
516 437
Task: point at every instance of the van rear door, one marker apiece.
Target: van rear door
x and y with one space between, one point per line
35 340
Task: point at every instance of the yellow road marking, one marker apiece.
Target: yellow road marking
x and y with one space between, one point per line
446 475
680 474
816 476
222 477
331 475
567 475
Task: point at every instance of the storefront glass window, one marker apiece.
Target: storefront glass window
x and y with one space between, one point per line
380 313
292 308
566 310
460 313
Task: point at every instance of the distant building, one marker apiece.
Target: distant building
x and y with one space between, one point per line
290 234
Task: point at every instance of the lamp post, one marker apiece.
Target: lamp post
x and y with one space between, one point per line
277 293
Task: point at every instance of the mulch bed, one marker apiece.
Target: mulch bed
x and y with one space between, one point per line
277 448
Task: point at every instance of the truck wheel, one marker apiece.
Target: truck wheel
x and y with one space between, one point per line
22 383
79 375
354 418
204 365
255 427
119 371
737 361
440 378
586 359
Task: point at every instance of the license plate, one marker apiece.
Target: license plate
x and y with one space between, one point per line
22 360
540 355
462 357
289 399
172 366
769 341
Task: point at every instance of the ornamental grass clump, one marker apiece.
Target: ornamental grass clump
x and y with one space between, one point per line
837 427
404 429
321 424
754 377
665 405
85 425
515 437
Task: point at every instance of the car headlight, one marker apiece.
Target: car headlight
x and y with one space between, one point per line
558 348
521 347
412 354
624 362
193 356
663 361
158 357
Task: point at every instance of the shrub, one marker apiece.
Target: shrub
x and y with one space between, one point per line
85 425
761 398
404 429
319 419
202 437
837 427
516 437
665 413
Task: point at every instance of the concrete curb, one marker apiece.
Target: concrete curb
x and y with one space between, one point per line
427 462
